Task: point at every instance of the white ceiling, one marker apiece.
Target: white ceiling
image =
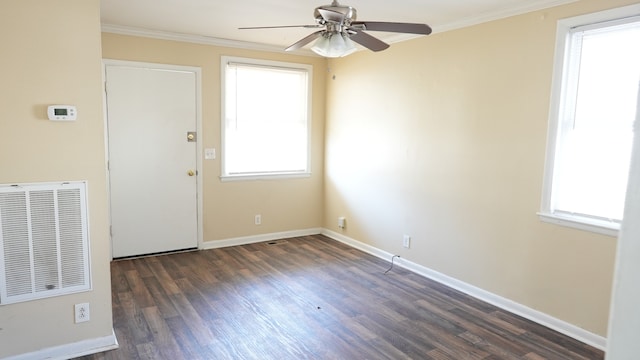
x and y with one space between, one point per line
218 21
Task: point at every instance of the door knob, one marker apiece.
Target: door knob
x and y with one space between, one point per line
191 172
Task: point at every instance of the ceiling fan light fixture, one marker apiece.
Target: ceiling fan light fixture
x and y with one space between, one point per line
341 31
334 45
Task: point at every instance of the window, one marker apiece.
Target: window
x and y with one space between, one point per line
266 119
595 87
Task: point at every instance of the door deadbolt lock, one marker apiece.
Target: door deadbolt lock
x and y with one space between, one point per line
191 172
191 136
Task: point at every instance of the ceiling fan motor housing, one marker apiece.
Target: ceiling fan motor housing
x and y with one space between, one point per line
348 13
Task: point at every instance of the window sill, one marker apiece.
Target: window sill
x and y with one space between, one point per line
251 177
603 227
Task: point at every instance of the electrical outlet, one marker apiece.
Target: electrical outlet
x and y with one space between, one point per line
406 241
82 312
258 219
341 222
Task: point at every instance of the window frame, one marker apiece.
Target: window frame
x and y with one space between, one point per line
561 76
224 176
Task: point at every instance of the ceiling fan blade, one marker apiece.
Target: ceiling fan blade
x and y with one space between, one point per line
284 26
410 28
331 16
304 41
369 41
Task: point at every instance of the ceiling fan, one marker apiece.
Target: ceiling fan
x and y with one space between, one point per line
341 29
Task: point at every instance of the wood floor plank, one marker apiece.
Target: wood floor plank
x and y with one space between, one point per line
163 339
491 335
309 298
133 319
148 351
554 337
186 341
139 290
160 298
164 278
195 323
142 267
488 347
118 279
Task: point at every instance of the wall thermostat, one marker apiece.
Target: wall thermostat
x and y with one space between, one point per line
62 112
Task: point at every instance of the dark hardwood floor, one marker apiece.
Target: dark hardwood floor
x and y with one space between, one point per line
309 298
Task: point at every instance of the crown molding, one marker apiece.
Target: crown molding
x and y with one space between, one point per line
200 39
395 38
483 18
502 14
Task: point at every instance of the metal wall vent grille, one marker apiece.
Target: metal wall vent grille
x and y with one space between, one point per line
44 245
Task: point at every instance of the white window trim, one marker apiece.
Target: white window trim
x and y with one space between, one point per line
563 31
265 176
583 223
224 60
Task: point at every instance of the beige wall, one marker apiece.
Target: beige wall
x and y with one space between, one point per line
229 207
443 138
50 55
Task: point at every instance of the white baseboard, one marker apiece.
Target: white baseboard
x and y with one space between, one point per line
73 350
541 318
214 244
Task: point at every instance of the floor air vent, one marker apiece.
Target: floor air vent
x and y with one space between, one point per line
44 246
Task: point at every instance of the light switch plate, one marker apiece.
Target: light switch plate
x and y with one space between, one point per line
406 241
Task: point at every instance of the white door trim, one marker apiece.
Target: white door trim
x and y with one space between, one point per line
199 143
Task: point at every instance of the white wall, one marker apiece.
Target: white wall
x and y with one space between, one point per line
624 323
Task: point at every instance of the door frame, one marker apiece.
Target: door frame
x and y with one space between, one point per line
197 71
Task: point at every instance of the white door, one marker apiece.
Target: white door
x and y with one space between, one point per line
152 161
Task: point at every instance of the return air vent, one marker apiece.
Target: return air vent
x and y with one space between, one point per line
44 246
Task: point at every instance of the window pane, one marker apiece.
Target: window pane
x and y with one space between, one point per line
266 116
594 150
